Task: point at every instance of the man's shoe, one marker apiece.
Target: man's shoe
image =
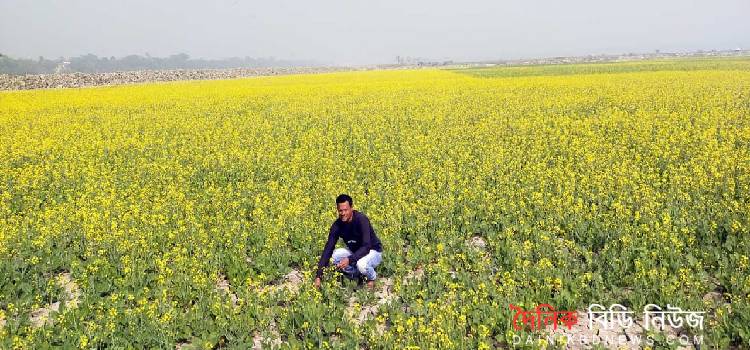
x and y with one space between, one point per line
352 274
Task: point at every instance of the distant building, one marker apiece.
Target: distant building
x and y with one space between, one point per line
63 67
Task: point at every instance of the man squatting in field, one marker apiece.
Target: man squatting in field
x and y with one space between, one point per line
363 249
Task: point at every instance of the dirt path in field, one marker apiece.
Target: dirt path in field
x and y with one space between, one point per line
41 316
477 242
358 314
222 285
291 283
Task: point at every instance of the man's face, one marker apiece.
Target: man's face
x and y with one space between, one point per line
345 211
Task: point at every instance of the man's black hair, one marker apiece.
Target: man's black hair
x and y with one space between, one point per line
344 198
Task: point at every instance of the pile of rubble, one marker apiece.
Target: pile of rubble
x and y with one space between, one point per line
77 80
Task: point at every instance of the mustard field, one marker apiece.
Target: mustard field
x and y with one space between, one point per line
191 215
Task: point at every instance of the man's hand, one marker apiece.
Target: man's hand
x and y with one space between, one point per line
317 282
343 263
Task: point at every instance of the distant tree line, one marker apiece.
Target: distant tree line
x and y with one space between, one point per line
93 64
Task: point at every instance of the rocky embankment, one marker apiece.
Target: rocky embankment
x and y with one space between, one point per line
77 80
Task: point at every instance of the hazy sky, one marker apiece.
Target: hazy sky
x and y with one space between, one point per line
358 32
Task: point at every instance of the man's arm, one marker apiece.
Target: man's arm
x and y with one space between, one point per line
365 229
328 250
